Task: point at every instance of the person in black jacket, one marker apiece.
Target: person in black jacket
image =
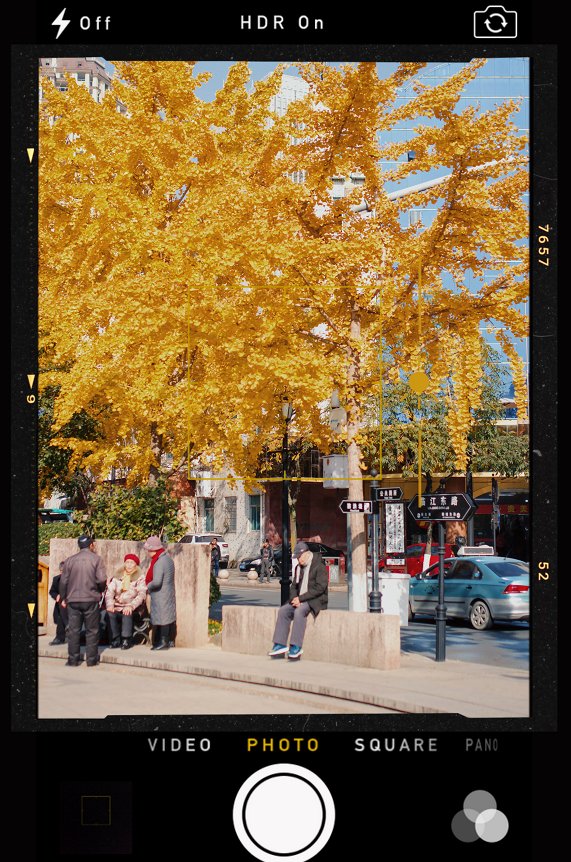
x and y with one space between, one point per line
215 555
308 594
60 614
266 560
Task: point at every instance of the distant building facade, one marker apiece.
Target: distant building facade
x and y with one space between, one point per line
89 72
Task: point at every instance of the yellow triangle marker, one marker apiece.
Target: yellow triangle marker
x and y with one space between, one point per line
31 608
31 378
31 152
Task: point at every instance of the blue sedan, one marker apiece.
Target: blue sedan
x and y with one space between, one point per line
477 589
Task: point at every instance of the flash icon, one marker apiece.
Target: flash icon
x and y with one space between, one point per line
60 22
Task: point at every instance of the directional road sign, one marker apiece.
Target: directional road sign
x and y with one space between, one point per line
384 495
356 507
442 507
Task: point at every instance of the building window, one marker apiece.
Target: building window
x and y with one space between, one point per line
80 77
254 511
230 513
209 516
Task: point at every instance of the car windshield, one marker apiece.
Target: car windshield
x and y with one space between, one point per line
207 538
509 569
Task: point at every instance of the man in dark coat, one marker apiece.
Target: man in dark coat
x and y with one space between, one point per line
215 556
60 614
308 594
81 584
266 560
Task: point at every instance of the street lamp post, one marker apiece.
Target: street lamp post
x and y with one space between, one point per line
441 607
375 595
285 580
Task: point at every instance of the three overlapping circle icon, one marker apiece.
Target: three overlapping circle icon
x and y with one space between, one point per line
480 818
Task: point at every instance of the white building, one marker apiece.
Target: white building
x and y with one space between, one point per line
89 72
232 512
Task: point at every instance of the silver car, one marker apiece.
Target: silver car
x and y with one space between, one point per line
478 589
204 538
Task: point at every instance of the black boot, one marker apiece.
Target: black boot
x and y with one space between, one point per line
127 643
161 637
115 643
162 644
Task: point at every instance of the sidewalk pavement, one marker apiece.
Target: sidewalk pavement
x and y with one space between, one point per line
421 685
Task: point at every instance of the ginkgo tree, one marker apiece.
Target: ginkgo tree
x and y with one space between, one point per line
187 284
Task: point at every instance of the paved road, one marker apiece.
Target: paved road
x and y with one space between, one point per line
506 645
95 692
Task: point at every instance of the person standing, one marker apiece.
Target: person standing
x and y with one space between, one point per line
266 560
60 614
125 593
308 594
160 584
82 581
215 555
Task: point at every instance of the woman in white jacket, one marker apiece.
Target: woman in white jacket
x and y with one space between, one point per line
126 591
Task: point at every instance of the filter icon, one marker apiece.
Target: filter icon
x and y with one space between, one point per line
480 818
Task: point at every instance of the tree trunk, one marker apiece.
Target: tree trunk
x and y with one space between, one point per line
455 528
358 590
156 452
428 549
292 502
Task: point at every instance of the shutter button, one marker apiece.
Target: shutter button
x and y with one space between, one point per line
284 812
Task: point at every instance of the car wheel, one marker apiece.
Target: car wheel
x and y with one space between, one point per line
480 616
410 613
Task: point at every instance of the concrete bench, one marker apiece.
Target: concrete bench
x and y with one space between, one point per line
342 637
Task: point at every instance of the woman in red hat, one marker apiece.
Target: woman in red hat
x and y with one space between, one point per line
126 591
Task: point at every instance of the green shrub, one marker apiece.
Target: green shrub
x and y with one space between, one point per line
56 530
134 513
214 591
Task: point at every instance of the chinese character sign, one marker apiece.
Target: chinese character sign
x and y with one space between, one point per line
394 528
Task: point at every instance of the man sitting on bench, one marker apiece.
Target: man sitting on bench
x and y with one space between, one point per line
308 594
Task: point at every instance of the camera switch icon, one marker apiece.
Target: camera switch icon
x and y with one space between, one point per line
495 22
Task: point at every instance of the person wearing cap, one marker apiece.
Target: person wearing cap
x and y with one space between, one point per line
308 594
83 580
160 584
126 591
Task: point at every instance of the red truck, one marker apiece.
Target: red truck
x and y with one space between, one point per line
414 558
